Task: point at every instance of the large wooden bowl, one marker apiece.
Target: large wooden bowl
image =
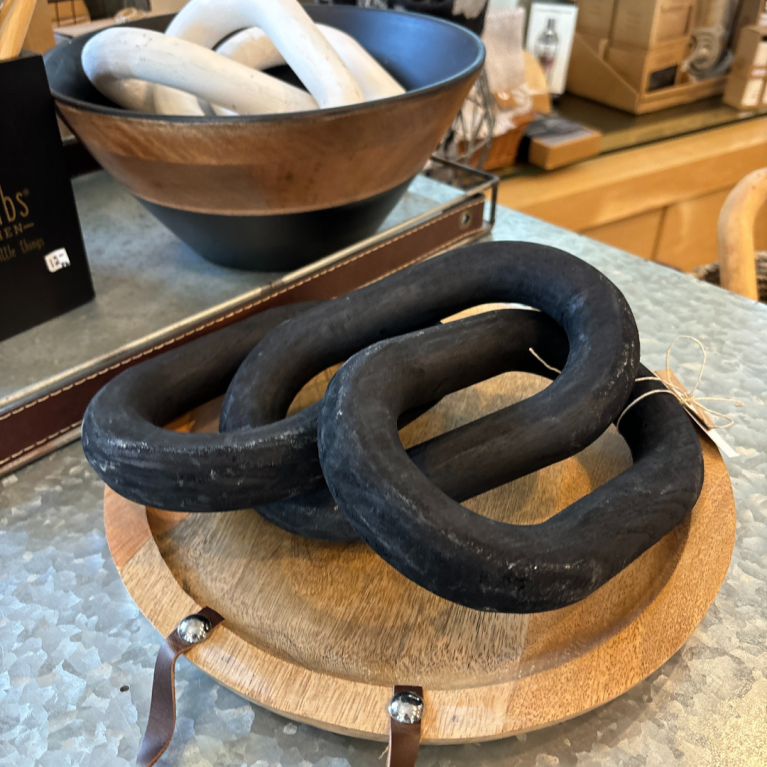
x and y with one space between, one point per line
274 192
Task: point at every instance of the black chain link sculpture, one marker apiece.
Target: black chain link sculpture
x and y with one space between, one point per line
398 361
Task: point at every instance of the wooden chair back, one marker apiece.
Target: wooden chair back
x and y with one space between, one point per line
737 252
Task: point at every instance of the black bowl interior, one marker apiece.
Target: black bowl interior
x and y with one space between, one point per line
421 52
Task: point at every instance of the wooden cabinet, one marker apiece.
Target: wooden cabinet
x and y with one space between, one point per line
660 201
687 235
635 234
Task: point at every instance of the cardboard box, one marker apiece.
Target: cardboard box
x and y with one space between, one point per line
750 12
552 142
598 44
595 17
744 93
649 70
66 12
751 54
648 23
591 76
556 152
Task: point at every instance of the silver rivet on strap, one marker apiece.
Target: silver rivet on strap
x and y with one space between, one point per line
194 629
406 707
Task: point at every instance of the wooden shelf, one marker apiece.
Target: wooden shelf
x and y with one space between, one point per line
658 201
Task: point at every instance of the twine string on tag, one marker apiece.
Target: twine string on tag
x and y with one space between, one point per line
687 398
542 361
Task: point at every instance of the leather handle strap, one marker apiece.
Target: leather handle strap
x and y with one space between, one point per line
52 418
404 739
162 709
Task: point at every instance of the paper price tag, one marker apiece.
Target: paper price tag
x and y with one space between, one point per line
725 448
699 417
57 260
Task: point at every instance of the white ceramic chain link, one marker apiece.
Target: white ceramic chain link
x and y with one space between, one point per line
332 65
114 59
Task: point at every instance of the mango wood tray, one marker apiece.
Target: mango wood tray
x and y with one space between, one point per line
320 632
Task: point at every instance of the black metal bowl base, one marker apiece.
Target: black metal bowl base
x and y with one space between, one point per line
281 242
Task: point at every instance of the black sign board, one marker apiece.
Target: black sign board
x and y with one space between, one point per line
43 269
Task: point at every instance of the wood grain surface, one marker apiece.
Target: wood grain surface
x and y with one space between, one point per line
320 632
635 234
15 18
634 181
307 161
659 200
39 37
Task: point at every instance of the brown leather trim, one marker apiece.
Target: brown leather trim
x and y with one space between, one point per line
404 739
162 709
26 430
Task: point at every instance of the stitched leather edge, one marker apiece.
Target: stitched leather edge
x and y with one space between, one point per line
246 307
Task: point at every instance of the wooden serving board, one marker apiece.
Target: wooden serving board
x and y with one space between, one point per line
321 632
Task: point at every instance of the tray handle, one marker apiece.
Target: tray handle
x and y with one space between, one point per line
191 631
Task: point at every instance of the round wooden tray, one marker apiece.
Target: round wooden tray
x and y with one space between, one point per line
320 632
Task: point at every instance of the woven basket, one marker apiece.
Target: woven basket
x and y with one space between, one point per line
710 273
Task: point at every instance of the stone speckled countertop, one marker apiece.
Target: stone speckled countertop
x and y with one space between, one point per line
76 655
